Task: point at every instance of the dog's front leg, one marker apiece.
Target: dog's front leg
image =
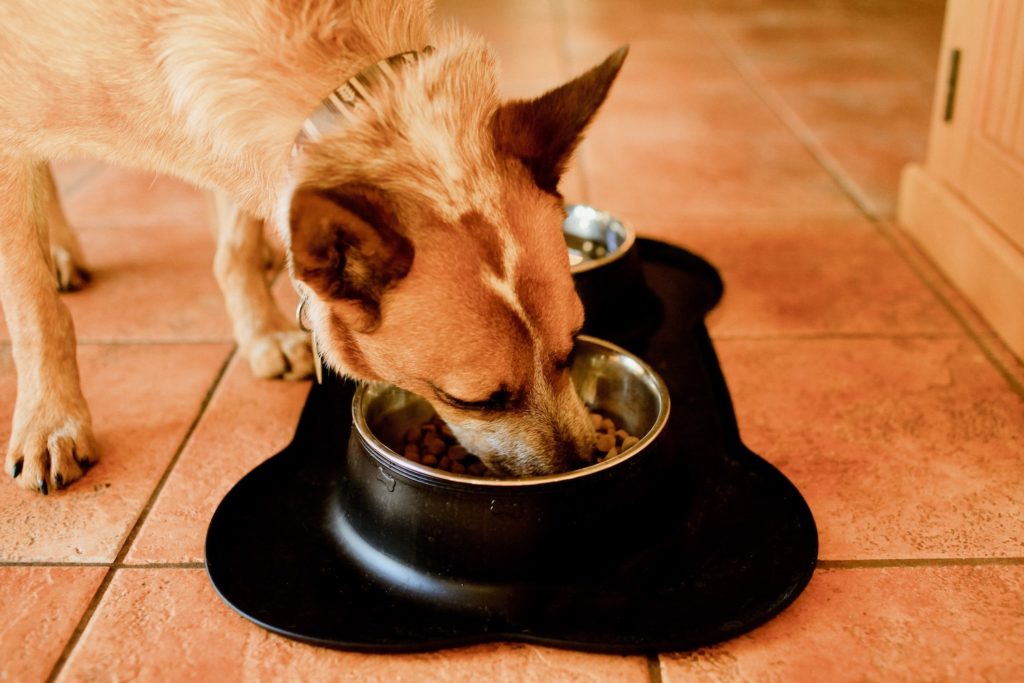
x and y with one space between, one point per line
51 436
273 344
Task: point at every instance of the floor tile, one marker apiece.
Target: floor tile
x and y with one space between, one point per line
806 276
143 400
875 162
127 198
247 421
149 248
39 612
160 624
574 184
895 624
666 48
647 169
785 25
903 448
507 27
899 107
872 130
862 90
853 63
493 11
705 111
148 285
662 21
71 174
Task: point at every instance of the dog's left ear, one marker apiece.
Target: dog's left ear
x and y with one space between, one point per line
346 244
544 132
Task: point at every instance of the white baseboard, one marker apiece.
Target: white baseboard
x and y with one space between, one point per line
974 255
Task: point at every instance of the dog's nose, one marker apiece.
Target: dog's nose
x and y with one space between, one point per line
567 454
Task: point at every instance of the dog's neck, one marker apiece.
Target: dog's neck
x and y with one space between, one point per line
264 70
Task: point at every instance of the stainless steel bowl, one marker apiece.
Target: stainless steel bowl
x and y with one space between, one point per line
605 264
607 378
594 238
400 514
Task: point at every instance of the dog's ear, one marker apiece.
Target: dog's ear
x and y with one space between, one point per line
544 132
346 245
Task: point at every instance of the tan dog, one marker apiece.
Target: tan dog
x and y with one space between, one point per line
425 234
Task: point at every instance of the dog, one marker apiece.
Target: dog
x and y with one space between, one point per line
423 232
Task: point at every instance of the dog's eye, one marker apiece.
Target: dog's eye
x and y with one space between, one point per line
499 400
564 362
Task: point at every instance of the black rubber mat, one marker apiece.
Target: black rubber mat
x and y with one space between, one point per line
736 542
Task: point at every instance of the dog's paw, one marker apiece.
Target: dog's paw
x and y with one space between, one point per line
286 354
71 275
45 456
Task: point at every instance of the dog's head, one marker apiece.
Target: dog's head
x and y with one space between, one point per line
429 240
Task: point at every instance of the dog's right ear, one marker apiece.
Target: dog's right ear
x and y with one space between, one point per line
346 245
543 133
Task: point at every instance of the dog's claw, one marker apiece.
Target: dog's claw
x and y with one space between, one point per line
58 481
42 487
16 470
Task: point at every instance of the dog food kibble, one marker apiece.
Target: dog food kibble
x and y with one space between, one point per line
605 442
433 444
610 439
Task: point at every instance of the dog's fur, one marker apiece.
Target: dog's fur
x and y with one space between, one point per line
426 237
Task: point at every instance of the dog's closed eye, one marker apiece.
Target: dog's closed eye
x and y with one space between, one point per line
563 361
502 399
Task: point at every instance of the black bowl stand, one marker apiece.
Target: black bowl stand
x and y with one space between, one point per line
735 547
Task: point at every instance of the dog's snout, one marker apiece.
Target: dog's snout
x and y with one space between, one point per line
565 454
572 449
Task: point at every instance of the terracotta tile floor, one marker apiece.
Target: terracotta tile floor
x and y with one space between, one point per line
767 135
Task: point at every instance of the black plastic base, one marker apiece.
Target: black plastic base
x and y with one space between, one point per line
736 546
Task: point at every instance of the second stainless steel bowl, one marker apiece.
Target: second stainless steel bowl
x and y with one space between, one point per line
605 265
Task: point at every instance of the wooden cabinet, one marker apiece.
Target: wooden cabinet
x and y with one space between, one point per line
965 204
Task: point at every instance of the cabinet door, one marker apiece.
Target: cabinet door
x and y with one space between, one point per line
993 180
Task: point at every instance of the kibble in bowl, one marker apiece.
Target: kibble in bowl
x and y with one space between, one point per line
433 444
628 402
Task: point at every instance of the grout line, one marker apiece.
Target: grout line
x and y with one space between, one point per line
823 336
44 563
789 118
108 565
921 562
69 646
144 342
977 329
81 181
821 564
212 341
164 565
654 667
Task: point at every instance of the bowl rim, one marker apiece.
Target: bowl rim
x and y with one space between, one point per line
383 454
627 244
